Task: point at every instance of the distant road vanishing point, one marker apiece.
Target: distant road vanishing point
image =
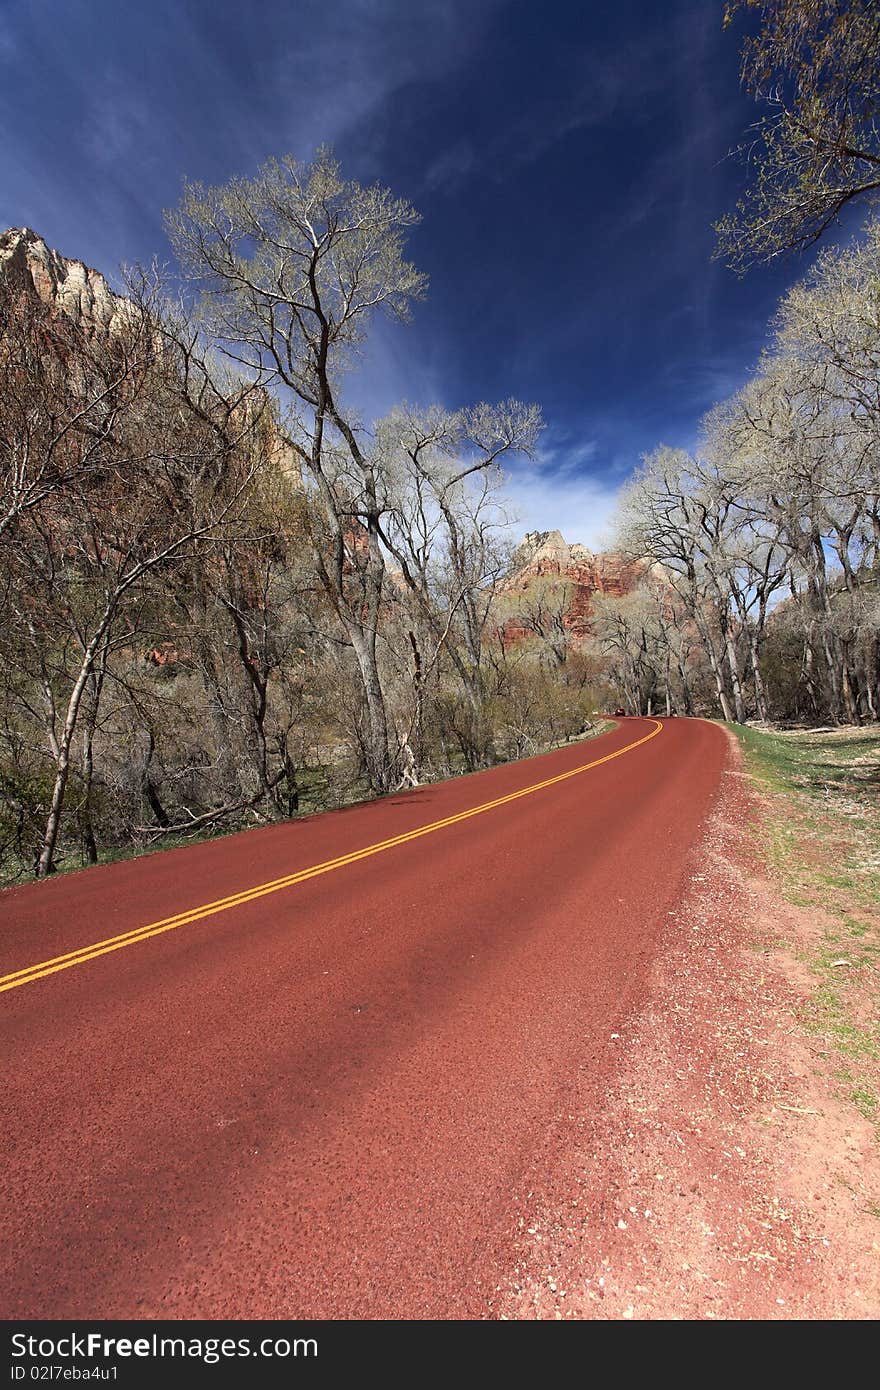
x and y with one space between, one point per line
301 1071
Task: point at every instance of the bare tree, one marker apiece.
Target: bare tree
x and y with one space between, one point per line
814 62
445 526
783 494
296 262
789 454
668 515
156 484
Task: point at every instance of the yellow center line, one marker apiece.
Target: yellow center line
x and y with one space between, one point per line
262 890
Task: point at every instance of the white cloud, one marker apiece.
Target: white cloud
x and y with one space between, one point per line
581 508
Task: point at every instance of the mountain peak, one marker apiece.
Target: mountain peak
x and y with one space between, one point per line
29 264
551 547
567 575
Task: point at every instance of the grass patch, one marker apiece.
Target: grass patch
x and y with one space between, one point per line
827 846
820 835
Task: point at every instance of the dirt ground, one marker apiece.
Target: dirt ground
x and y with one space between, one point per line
726 1177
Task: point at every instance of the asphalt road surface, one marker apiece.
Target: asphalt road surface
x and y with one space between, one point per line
299 1072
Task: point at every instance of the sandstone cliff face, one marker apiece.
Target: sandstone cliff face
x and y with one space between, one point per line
569 575
68 286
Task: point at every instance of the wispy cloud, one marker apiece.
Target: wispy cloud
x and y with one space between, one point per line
544 499
450 166
569 161
565 453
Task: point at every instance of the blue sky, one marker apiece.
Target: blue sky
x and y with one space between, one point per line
568 160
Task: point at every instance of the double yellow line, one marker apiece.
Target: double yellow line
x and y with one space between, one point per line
195 914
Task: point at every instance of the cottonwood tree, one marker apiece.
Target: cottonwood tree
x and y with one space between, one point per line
786 447
828 335
224 599
236 608
814 63
744 547
296 263
444 528
543 610
670 516
626 630
783 495
828 326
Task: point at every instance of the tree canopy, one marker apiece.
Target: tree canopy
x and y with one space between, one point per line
814 64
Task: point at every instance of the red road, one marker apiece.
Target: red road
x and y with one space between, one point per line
321 1103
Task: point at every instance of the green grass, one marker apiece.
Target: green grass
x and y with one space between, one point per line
819 834
830 846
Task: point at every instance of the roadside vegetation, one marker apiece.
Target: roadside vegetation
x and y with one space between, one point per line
229 600
819 832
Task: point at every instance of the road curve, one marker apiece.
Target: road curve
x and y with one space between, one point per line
317 1097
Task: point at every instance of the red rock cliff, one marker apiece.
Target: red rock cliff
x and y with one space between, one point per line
546 556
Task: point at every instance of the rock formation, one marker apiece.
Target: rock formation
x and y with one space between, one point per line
30 266
546 568
68 286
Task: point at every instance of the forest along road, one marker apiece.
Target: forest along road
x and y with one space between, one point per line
235 1087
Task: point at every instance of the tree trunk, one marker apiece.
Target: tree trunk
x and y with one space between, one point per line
148 786
45 862
849 688
717 669
96 682
832 662
809 667
733 666
760 691
46 859
685 687
379 769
